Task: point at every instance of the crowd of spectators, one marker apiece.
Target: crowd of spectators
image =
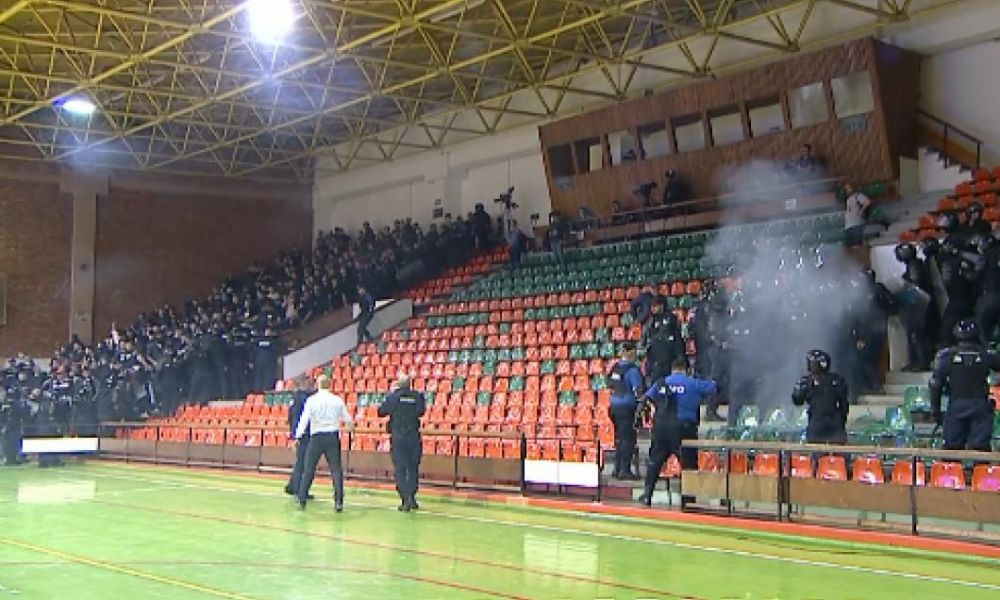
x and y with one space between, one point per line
228 344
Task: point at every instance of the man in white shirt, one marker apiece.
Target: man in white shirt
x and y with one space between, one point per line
854 216
322 417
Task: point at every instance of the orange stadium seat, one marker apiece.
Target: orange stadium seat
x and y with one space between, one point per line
868 470
948 475
986 478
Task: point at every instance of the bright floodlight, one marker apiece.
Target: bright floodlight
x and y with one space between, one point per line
79 106
270 20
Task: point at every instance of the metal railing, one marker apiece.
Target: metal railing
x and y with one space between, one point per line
920 498
947 130
365 452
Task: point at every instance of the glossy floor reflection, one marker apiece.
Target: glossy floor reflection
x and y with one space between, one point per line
107 531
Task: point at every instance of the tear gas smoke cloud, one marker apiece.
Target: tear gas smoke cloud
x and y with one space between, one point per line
794 296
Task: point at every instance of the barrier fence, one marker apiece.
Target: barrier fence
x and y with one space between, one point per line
917 484
482 460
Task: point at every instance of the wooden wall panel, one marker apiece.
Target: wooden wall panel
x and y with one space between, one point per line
865 153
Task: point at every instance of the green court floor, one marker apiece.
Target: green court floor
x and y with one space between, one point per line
105 531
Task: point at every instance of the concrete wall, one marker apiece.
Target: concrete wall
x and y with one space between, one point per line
459 176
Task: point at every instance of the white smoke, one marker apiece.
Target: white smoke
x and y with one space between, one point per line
796 294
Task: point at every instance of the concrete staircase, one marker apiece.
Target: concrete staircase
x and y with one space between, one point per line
891 395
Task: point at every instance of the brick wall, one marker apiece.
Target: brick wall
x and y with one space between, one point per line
35 228
158 240
155 247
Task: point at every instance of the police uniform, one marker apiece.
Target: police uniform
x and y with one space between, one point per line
294 413
826 395
988 306
663 342
626 380
677 400
963 370
404 407
12 413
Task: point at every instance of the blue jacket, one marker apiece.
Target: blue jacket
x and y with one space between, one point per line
688 391
623 389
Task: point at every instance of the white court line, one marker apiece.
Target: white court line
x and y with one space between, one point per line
625 538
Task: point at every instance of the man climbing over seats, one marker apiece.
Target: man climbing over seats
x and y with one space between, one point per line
366 304
676 401
963 370
404 406
626 385
825 393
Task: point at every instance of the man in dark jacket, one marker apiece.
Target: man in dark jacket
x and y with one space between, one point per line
404 406
294 412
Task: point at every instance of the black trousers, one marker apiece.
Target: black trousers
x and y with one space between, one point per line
968 424
406 453
824 429
11 444
363 320
988 314
300 461
328 445
623 418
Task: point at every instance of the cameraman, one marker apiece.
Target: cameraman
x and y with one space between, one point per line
507 215
481 226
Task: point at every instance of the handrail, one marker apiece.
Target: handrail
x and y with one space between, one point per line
835 449
947 127
505 435
744 197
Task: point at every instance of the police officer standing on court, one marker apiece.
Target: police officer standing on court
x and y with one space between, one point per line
294 414
676 401
964 370
662 340
626 384
11 414
827 397
404 406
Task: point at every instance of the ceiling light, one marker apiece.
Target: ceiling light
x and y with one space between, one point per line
270 20
78 106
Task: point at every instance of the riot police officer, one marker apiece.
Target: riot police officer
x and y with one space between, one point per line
963 370
827 396
707 324
957 275
626 384
662 340
676 401
264 356
299 397
988 305
404 406
915 301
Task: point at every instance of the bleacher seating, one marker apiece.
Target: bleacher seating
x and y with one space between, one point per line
445 283
984 187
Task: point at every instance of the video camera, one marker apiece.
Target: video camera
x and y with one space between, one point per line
507 199
645 190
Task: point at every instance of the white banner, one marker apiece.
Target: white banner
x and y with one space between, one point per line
561 473
58 445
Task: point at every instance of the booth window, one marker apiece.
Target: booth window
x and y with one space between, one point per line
689 132
589 155
807 105
561 161
623 147
655 141
852 95
765 116
726 124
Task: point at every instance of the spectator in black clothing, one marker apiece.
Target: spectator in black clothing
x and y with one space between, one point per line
366 304
674 191
299 397
481 226
617 216
641 306
974 225
515 244
556 234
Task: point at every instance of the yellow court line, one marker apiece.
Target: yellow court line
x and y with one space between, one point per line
93 562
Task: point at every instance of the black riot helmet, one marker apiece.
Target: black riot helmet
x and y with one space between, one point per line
817 361
905 252
983 243
966 330
948 221
931 247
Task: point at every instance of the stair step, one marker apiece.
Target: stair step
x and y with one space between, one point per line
901 378
879 400
897 389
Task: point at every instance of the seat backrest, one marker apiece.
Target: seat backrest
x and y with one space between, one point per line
832 468
986 478
868 469
802 466
948 475
708 460
765 465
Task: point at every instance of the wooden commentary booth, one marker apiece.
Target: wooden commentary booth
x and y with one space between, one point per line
855 104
